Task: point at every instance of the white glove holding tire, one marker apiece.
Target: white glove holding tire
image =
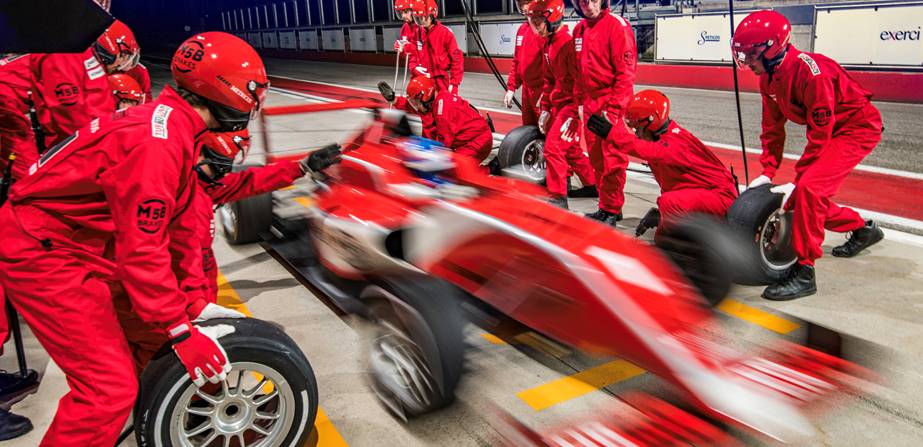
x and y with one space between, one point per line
212 311
759 181
200 352
786 191
543 122
508 99
421 70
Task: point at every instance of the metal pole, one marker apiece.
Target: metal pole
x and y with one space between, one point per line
740 121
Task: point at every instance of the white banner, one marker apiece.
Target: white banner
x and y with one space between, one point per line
389 35
270 40
500 38
461 37
886 35
695 38
332 39
287 40
307 40
363 39
255 40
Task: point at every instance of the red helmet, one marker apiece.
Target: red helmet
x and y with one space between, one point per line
522 6
125 88
420 92
400 5
115 41
648 109
762 34
425 8
226 72
551 10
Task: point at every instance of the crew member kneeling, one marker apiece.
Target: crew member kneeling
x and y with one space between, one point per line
691 178
842 128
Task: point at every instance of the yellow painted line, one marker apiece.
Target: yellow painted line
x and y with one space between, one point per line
492 338
325 433
287 188
758 317
304 201
570 387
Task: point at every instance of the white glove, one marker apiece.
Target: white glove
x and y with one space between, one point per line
569 130
543 121
212 311
761 180
399 45
422 70
508 99
785 190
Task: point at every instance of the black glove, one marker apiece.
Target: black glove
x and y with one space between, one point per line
599 125
321 159
650 220
386 91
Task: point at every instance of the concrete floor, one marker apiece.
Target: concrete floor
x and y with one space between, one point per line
876 296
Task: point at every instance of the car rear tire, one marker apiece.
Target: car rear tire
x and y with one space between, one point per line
522 152
416 352
269 398
246 221
756 215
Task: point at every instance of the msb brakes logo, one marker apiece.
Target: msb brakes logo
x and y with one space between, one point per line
188 56
821 116
67 93
152 213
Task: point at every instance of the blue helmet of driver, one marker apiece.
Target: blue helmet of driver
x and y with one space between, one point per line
426 158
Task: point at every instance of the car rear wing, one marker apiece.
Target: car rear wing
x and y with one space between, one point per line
305 108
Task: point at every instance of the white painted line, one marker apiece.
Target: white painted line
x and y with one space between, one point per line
861 167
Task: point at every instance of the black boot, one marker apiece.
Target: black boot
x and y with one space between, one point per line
559 201
13 425
14 387
799 283
586 191
859 240
605 217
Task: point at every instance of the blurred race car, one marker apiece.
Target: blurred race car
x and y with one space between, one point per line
412 248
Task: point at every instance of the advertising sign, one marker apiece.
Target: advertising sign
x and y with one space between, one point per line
363 39
307 40
694 37
287 40
332 39
873 35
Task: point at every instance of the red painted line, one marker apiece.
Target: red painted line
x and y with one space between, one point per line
885 85
883 193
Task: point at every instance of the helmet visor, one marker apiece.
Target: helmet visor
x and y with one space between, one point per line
747 56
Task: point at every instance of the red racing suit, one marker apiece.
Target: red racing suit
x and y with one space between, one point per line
139 73
437 52
691 178
560 66
409 33
456 124
15 127
526 71
69 90
606 64
235 186
100 212
842 128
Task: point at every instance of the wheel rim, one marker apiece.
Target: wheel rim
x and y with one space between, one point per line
402 378
533 160
254 407
775 241
228 218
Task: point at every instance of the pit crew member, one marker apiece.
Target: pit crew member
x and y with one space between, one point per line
125 91
842 128
407 40
606 64
437 55
100 210
526 70
558 110
72 89
447 117
691 178
140 74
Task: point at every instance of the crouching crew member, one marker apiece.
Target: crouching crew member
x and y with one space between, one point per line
691 178
125 90
842 128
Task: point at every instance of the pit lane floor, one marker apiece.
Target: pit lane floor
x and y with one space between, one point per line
876 296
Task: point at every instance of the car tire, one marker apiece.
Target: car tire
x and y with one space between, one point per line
258 351
247 220
755 214
416 352
522 153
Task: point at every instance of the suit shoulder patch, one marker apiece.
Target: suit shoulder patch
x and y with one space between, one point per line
810 62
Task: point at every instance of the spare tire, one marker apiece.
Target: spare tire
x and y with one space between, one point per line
416 354
269 398
522 152
756 215
247 220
